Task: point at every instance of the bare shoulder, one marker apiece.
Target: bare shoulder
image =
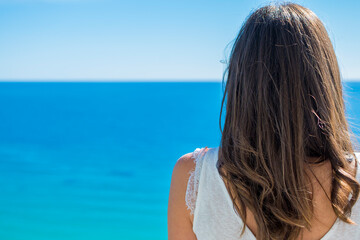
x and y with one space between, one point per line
179 219
184 165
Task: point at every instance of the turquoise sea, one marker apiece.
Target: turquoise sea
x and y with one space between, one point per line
94 160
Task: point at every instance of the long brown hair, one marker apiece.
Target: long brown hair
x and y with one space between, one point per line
284 104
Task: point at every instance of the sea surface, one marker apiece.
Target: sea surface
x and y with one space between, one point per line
94 160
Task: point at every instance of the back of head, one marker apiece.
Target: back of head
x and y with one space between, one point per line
284 104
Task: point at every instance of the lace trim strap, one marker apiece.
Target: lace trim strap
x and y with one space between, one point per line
193 182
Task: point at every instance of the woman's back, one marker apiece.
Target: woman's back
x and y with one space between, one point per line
285 141
214 216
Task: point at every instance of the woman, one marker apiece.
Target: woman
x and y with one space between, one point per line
286 168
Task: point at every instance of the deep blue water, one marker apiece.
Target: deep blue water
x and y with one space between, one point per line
94 160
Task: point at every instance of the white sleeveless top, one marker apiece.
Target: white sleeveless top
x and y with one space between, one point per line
212 207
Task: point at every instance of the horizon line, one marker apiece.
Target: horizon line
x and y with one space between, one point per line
135 80
115 80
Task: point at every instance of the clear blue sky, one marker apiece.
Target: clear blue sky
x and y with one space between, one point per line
144 39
